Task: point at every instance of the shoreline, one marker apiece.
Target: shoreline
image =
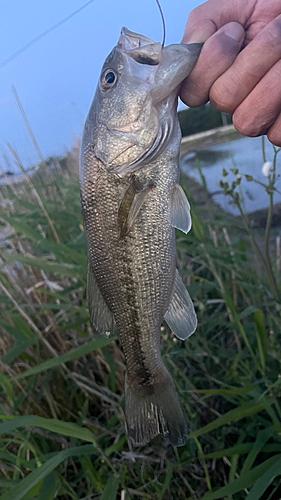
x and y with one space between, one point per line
195 142
219 135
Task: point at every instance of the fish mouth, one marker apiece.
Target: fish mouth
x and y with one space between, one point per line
141 48
129 40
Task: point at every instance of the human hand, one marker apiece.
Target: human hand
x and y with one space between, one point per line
247 82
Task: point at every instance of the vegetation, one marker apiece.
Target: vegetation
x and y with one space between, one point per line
195 120
62 432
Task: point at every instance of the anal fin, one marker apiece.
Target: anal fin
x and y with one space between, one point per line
181 316
180 215
101 316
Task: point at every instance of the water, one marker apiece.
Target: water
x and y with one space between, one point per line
244 154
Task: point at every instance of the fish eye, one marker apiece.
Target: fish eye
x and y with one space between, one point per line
108 79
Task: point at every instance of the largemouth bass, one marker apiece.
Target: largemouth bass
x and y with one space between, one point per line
131 204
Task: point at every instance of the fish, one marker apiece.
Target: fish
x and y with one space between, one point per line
131 204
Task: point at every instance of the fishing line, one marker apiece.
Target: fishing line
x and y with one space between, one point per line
57 25
163 22
42 35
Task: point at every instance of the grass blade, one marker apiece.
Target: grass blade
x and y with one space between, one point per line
244 481
53 425
111 488
265 481
241 449
197 227
61 269
22 228
93 345
231 416
261 336
49 488
21 489
169 474
262 438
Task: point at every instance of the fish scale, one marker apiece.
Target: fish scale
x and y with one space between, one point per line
131 204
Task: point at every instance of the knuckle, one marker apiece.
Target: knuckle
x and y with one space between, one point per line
274 136
244 128
249 123
198 21
275 75
272 34
221 97
193 101
194 95
195 15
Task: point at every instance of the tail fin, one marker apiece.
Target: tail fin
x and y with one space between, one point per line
157 413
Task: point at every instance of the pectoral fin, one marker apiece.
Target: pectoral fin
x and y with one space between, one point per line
180 215
181 316
131 205
101 316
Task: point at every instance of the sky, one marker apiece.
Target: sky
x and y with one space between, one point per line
57 76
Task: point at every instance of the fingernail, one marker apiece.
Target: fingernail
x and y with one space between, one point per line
235 31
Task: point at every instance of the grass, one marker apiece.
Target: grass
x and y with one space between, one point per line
62 432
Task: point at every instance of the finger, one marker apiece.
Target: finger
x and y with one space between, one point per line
217 55
248 69
260 109
207 18
274 132
199 30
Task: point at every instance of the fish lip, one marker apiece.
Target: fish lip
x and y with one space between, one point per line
129 40
139 47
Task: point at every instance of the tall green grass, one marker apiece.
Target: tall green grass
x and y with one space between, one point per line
62 432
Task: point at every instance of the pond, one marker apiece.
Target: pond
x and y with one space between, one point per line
244 154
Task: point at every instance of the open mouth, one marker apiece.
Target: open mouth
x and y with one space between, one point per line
129 40
141 48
